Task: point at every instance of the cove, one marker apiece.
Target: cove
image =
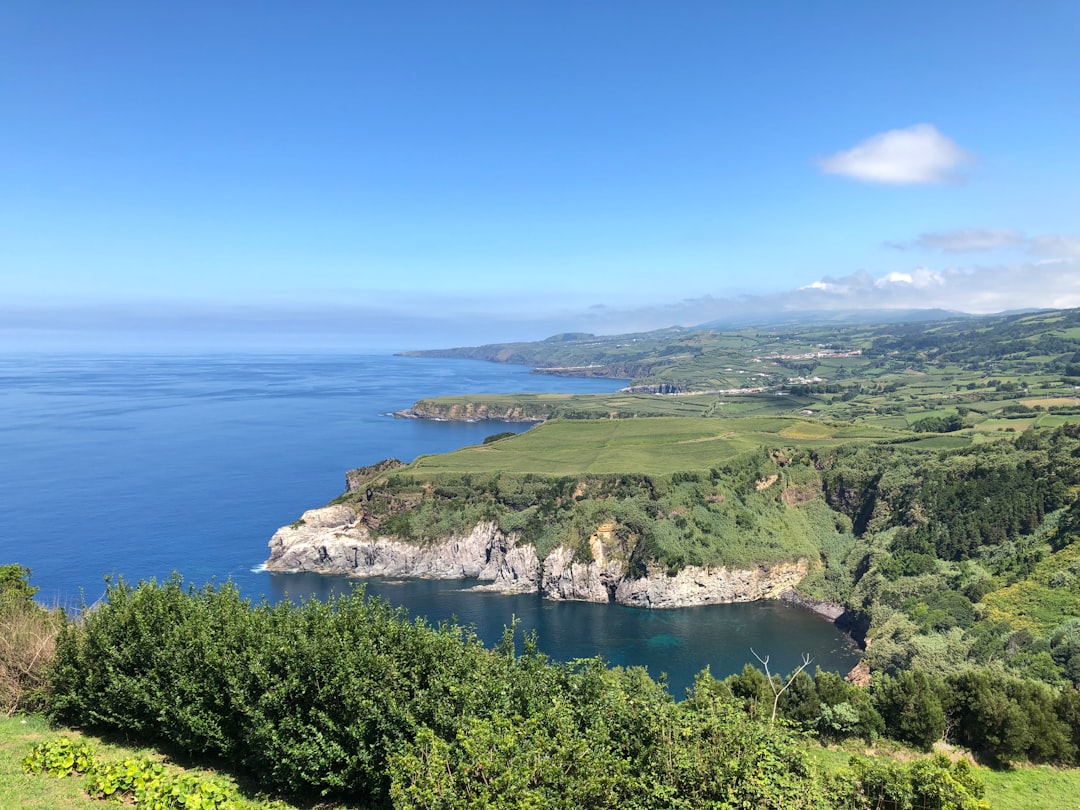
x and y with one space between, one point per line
678 643
138 465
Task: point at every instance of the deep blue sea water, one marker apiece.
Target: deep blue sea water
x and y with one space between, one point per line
141 465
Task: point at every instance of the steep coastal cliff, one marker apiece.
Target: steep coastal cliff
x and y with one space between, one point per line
334 540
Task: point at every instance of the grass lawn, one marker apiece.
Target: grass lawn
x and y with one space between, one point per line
1048 402
19 735
1035 786
1015 425
1054 420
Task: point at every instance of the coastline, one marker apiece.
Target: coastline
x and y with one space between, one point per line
334 540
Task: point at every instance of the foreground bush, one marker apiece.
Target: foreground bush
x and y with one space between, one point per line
310 698
932 783
351 699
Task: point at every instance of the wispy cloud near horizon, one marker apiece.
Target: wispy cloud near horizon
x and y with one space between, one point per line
395 323
963 240
975 240
977 290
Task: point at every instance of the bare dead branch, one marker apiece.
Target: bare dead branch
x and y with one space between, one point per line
772 684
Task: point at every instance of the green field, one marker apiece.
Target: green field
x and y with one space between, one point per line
889 375
654 446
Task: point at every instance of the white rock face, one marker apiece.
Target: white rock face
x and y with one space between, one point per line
565 579
511 568
333 540
710 586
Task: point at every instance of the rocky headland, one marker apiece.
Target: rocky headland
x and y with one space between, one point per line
472 412
335 540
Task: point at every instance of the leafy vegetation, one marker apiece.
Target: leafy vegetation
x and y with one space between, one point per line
929 473
750 506
352 700
142 781
73 754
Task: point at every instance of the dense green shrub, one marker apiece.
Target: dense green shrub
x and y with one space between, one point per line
949 505
932 782
1006 719
310 697
349 698
938 424
910 705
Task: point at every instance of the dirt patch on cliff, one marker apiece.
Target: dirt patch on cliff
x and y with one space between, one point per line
765 483
793 496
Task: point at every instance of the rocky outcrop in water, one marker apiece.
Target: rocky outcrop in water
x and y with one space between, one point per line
830 610
334 540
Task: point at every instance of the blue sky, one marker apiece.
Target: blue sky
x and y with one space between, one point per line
416 174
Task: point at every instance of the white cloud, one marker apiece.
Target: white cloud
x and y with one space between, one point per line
979 290
844 285
921 278
918 154
976 290
966 240
894 278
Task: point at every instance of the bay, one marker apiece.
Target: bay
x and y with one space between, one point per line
138 465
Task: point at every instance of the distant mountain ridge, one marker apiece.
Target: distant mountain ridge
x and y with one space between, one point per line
539 352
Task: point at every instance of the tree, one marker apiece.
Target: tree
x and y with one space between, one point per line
910 706
15 581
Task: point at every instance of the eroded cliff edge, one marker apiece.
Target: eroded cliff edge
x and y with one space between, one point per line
335 540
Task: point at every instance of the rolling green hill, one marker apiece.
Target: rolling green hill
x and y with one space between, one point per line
996 372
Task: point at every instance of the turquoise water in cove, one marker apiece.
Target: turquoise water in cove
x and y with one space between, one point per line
141 465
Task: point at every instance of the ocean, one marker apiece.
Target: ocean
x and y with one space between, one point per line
141 465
